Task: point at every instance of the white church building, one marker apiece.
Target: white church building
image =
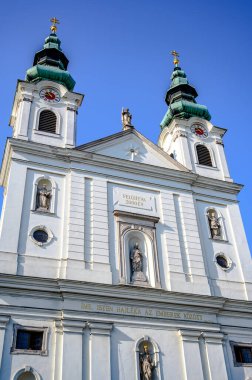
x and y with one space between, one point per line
120 259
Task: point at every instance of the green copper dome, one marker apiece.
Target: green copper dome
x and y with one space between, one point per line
50 63
181 100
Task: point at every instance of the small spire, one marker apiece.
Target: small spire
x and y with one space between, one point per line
175 55
126 119
53 27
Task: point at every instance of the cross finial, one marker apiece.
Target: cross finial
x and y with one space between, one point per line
53 27
175 55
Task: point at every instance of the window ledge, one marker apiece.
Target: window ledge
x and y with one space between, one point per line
207 167
219 240
47 213
43 133
28 352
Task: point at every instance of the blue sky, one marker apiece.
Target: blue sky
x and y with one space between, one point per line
119 54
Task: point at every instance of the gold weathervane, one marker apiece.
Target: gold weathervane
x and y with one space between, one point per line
175 55
53 27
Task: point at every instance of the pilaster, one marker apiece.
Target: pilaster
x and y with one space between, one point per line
69 347
215 355
191 355
100 351
3 324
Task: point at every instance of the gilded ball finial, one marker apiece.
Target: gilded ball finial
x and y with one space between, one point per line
53 27
175 55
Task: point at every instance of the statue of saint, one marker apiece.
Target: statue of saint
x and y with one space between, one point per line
43 198
214 224
137 264
146 364
126 118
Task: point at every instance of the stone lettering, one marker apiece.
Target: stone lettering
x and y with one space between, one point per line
137 311
86 306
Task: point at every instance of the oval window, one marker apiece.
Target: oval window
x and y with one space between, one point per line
40 236
222 261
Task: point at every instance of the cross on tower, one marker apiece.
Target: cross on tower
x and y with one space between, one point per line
55 21
175 55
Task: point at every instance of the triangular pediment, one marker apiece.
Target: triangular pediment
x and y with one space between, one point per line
132 146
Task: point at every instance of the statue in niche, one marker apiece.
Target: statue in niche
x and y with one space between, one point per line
126 118
214 224
146 364
43 198
136 258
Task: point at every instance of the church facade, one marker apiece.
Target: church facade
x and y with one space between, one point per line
120 259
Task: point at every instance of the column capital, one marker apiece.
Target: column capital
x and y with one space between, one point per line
189 335
97 328
213 337
4 319
69 326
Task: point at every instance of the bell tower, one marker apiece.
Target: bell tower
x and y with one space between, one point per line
45 106
187 133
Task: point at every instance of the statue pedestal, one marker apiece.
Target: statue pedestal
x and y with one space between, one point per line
139 278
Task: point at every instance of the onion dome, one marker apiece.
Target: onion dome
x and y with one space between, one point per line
180 98
50 63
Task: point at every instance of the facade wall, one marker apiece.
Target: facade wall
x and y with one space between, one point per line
85 237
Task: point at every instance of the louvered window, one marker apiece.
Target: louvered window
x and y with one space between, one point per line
204 157
47 121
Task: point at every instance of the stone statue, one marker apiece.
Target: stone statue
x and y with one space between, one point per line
126 119
214 224
136 257
43 198
146 364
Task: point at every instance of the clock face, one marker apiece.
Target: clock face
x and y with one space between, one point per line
199 131
50 95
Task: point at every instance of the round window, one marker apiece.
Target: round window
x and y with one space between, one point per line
222 261
40 236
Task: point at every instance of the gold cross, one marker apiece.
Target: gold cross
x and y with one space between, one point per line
55 21
175 55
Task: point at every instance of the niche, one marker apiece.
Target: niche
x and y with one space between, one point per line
137 250
44 195
147 359
215 224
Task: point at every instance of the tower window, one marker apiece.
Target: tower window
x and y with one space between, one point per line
47 121
204 157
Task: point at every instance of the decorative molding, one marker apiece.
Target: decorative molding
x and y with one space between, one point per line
219 142
97 328
25 99
73 156
179 134
27 369
4 319
43 228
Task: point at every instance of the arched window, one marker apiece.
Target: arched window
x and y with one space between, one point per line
47 121
204 157
26 376
27 373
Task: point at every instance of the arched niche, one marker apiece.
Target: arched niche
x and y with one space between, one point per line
147 359
44 195
135 237
137 230
27 373
215 223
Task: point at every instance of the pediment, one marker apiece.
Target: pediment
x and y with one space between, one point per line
132 146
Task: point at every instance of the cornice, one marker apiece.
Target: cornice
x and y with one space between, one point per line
62 289
74 156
